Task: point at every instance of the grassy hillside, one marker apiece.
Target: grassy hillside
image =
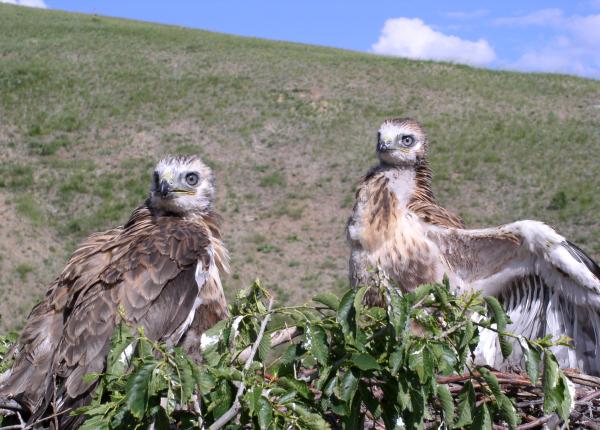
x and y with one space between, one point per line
88 104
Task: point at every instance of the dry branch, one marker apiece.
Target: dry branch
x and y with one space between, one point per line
278 337
235 408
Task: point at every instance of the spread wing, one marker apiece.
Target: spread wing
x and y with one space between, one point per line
153 268
546 284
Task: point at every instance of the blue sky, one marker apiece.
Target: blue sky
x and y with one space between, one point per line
552 36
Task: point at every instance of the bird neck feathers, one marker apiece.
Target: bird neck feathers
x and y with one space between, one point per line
422 191
398 188
410 184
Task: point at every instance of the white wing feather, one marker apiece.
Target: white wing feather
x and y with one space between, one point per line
546 284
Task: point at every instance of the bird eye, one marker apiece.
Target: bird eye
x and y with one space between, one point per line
191 179
408 140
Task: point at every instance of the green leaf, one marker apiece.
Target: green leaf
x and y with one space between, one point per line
137 388
264 347
286 398
447 403
291 353
508 411
422 291
399 312
482 420
505 345
324 374
554 383
549 384
354 417
346 313
252 397
157 382
348 388
299 386
120 418
421 360
498 314
222 398
395 361
185 375
332 386
533 358
364 362
309 419
89 378
328 299
465 339
445 356
491 380
265 414
117 360
97 422
389 409
466 405
161 421
358 300
205 380
316 343
144 347
504 404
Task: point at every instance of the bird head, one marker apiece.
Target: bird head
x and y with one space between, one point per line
182 185
401 142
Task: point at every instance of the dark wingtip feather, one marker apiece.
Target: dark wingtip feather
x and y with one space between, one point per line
582 257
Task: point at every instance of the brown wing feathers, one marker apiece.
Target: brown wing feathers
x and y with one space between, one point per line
148 266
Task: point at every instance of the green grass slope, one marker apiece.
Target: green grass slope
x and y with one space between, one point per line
88 104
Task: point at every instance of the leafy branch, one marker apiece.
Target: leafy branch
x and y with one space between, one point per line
336 364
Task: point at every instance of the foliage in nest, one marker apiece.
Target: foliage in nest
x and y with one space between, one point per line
343 365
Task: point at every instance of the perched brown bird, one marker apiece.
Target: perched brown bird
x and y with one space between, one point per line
547 285
162 268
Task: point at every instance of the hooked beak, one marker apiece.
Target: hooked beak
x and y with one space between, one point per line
383 146
164 188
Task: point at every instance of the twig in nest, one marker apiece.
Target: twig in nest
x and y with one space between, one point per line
235 408
535 424
581 378
31 426
197 408
277 338
588 398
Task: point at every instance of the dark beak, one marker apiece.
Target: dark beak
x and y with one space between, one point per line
164 188
382 146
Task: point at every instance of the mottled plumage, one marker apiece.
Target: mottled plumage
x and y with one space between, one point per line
162 268
547 284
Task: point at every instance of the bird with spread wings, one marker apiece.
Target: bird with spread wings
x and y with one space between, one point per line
160 271
547 285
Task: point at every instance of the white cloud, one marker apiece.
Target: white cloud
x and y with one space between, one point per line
572 49
557 59
28 3
544 17
480 13
587 30
412 38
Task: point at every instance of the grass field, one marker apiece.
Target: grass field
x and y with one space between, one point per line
88 104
